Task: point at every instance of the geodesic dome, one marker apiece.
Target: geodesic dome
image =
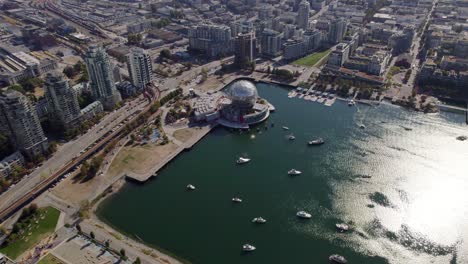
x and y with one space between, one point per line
242 93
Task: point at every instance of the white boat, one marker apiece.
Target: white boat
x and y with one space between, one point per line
237 200
248 248
342 227
285 128
291 137
351 102
242 160
190 187
294 172
303 214
316 142
362 126
259 220
337 259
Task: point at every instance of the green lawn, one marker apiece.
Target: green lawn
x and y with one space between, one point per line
43 225
50 259
311 59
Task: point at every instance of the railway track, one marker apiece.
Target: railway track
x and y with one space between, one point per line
46 183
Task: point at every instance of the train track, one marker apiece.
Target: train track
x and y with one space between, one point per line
45 184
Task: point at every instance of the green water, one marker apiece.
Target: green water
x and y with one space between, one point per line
403 191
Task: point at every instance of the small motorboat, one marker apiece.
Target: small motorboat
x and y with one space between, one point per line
242 160
362 126
294 172
342 227
236 200
351 103
285 128
248 248
316 142
259 220
190 187
337 259
303 214
291 137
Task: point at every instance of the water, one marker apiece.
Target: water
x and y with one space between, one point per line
400 183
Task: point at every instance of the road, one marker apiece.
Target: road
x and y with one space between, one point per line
72 149
65 153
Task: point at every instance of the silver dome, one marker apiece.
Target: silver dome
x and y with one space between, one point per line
243 92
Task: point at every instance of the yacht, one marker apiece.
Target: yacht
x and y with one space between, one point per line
236 200
285 128
316 142
190 187
351 102
291 137
342 227
294 172
303 214
259 220
248 247
337 259
242 160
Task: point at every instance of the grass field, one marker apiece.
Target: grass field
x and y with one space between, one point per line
42 225
311 59
50 259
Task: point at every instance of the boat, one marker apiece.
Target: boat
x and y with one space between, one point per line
190 187
294 172
259 220
242 160
316 142
342 227
291 137
351 102
362 126
303 214
337 259
236 200
285 128
248 248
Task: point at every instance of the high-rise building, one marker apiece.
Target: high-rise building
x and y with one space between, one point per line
19 121
62 101
303 15
213 40
337 30
312 39
140 68
271 42
339 56
101 77
245 48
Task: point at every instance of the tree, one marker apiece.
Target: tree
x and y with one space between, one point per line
165 54
30 83
69 71
134 39
107 243
18 88
78 227
92 235
137 261
122 253
52 147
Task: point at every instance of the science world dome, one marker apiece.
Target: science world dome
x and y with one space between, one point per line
242 93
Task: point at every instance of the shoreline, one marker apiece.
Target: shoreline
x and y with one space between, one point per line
124 179
97 220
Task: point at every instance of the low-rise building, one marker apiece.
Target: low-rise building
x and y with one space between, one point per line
7 164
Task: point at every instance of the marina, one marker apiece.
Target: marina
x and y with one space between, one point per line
338 185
